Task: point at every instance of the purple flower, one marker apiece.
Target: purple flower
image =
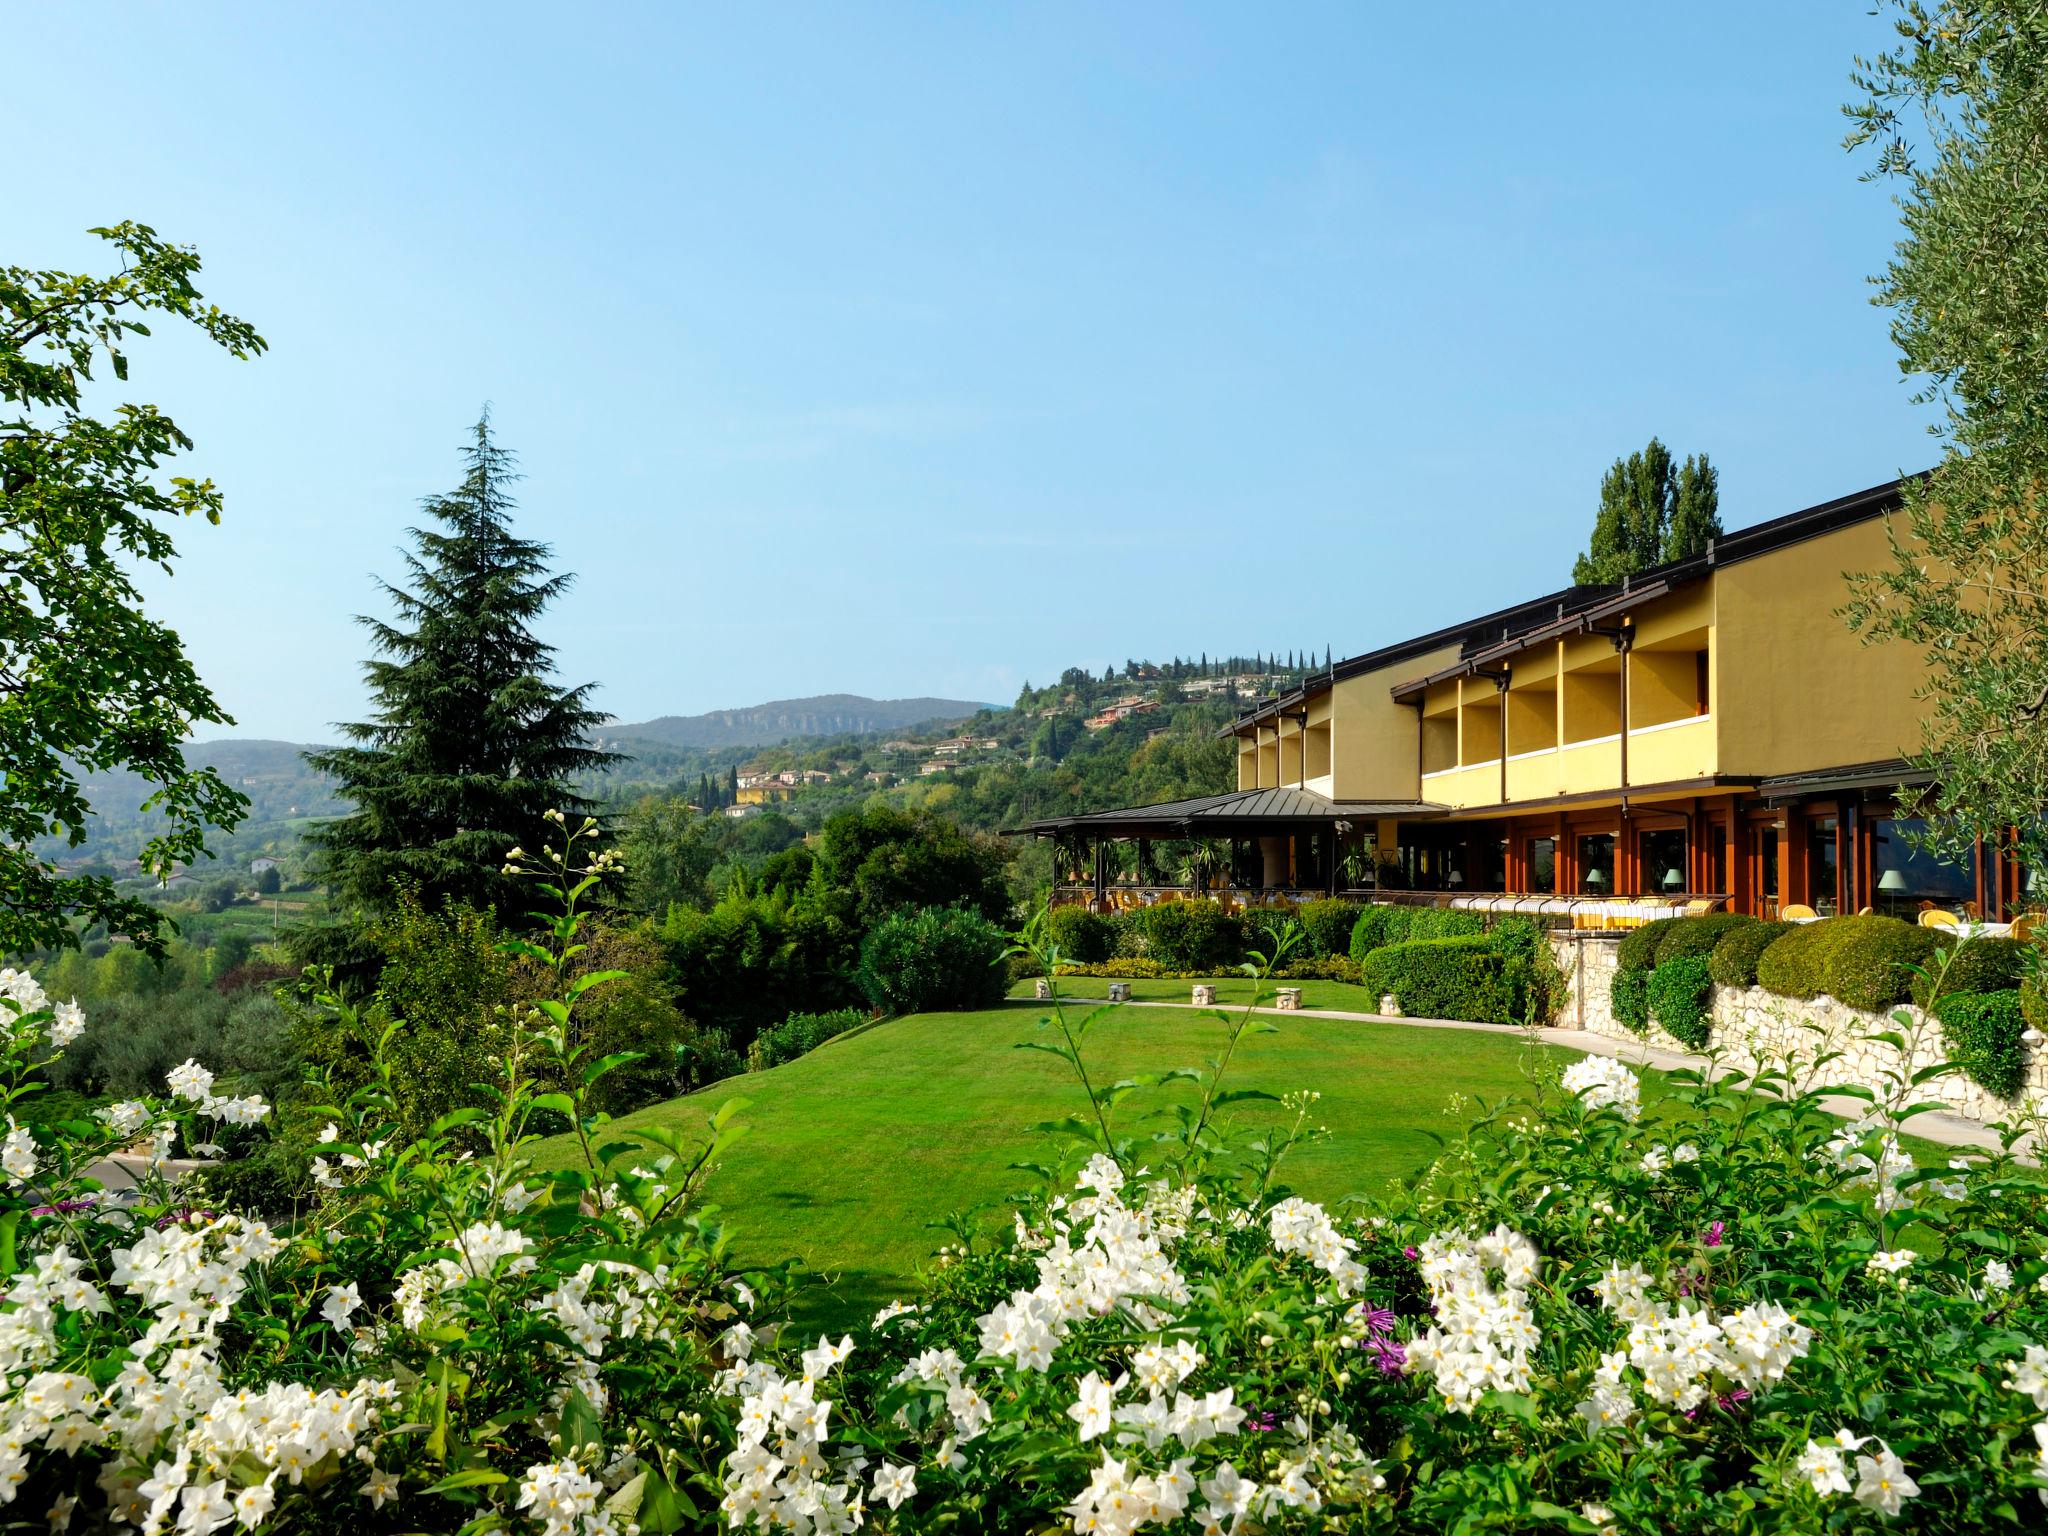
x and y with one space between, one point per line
1390 1357
1379 1322
66 1207
1410 1253
1712 1236
1739 1395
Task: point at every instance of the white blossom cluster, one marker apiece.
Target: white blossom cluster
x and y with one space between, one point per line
1680 1353
1601 1082
781 1476
1880 1174
594 1305
1481 1337
2030 1376
1881 1481
563 1497
1302 1227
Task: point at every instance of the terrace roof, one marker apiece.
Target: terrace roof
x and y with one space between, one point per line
1243 811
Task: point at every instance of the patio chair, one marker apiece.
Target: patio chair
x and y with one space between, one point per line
2024 927
1797 912
1937 917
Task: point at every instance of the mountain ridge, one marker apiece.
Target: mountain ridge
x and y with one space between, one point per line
779 720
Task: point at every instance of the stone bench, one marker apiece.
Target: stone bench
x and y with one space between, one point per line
1289 1000
1119 991
1205 994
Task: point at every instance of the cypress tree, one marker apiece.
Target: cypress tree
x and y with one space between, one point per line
1651 511
470 742
1695 509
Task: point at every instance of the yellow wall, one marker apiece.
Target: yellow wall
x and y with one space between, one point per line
1794 689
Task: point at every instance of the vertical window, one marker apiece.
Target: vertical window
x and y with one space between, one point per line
1717 859
1543 865
1663 860
1908 877
1700 692
1596 864
1820 865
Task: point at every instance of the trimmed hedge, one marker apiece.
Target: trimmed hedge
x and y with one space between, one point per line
1320 968
2034 1006
1680 994
1699 936
1327 925
933 959
1462 977
1868 964
1733 962
1629 996
1981 965
1378 927
1087 938
1637 950
1982 1031
1794 965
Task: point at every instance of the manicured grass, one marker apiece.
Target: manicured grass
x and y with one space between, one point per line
1229 990
857 1149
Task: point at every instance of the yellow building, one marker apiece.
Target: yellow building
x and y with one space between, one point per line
1710 729
763 793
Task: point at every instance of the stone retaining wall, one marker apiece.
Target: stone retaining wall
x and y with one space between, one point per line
1751 1026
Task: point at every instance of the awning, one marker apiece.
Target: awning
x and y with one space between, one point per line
1242 813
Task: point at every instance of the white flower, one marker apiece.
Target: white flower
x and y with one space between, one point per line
67 1023
1997 1277
1597 1515
1823 1468
1601 1082
204 1507
1882 1483
892 1484
1894 1261
1094 1408
254 1504
18 1153
1655 1161
2030 1376
891 1312
191 1082
1685 1152
380 1488
342 1300
125 1118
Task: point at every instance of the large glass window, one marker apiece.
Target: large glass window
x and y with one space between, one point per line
1596 864
1492 873
1820 864
1717 859
1543 865
1763 854
1908 877
1663 855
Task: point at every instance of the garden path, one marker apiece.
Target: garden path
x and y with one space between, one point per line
1935 1125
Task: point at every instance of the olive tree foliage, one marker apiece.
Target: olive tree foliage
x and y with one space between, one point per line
88 683
1955 114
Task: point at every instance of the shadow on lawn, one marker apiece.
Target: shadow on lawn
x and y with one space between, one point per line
844 1299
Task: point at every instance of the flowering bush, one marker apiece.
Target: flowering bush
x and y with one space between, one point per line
1718 1308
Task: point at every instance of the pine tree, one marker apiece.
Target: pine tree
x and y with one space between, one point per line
1650 511
470 743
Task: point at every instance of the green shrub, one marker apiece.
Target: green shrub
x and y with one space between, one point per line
1982 1030
1122 968
1370 931
1980 965
1132 933
1793 964
1321 968
1629 996
935 959
1192 935
1443 923
1733 962
1680 993
1518 936
798 1035
1637 950
1327 925
1868 961
1085 937
2034 1005
1461 977
1699 935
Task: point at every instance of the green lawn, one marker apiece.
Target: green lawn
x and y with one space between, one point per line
1229 989
855 1150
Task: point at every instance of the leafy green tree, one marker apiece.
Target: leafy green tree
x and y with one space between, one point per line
87 682
1953 113
1652 509
269 882
472 743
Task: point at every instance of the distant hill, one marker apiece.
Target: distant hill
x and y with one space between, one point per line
829 714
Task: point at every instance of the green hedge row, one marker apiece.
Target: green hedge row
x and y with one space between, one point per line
1378 927
1982 1031
1468 976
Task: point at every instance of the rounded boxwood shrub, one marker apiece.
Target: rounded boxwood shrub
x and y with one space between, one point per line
1192 935
2034 1005
1982 1031
1464 977
1328 924
1792 965
933 959
1443 923
1699 935
1733 962
1629 996
1680 994
1981 965
1637 950
1084 937
1369 932
1868 962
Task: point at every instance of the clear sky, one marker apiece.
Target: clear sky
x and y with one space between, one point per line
930 349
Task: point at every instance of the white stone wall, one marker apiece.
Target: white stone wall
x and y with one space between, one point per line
1752 1026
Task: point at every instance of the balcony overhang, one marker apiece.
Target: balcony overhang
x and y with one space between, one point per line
1593 619
1244 813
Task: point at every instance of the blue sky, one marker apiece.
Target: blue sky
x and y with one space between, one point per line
930 349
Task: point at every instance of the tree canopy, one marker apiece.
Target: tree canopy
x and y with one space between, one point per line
89 683
1652 510
471 743
1953 115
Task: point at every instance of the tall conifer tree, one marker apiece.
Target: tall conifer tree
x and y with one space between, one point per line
471 742
1651 510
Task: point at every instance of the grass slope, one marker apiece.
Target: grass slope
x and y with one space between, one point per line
856 1149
